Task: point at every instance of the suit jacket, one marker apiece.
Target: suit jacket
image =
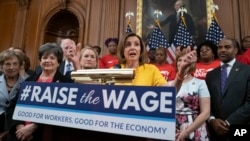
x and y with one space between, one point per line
173 25
5 97
233 104
61 67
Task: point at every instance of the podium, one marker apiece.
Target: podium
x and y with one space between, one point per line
103 76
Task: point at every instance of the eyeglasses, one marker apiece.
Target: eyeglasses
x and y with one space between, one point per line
8 65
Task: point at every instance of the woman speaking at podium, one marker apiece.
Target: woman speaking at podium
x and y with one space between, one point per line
132 54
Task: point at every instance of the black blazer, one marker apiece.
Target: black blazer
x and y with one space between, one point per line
173 25
234 104
61 67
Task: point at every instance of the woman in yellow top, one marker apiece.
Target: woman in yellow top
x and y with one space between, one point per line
132 54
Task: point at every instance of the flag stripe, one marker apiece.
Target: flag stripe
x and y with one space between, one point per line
171 54
157 39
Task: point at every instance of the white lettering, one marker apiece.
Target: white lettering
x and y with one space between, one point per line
240 132
112 98
72 95
55 95
165 102
131 101
150 101
154 103
46 95
63 96
35 93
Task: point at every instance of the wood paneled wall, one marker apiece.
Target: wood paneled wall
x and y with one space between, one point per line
228 18
23 22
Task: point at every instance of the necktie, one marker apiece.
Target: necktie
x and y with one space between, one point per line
223 76
68 67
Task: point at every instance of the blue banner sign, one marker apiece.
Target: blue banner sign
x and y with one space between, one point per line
129 110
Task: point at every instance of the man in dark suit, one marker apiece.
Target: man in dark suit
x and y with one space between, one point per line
229 105
70 49
174 19
171 23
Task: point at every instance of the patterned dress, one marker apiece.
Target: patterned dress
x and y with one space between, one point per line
187 107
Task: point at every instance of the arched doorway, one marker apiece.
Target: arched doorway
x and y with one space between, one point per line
63 24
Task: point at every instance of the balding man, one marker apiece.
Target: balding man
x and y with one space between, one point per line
70 49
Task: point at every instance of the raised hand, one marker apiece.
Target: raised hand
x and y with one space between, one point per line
75 56
189 58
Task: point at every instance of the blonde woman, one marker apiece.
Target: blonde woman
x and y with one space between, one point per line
87 59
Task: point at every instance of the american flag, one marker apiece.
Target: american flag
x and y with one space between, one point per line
214 34
128 29
157 39
183 37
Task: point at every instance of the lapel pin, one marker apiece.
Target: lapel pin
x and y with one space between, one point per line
236 69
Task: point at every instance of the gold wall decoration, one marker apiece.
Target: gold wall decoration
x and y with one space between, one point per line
139 17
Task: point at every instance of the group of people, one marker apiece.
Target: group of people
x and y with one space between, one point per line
204 109
223 98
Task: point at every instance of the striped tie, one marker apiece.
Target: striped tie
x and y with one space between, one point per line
223 76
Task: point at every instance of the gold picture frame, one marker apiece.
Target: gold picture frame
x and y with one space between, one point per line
139 16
